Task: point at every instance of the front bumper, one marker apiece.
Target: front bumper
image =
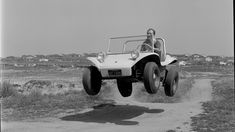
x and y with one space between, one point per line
125 72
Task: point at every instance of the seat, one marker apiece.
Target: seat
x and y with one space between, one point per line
162 52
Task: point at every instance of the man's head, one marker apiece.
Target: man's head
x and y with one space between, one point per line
150 33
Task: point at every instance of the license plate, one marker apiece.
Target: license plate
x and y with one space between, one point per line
115 72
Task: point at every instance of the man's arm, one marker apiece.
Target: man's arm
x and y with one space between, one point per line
157 45
157 48
144 46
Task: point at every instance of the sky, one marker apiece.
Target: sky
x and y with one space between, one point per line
84 26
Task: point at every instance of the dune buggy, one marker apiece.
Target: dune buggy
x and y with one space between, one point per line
131 65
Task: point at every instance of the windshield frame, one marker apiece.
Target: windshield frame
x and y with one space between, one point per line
134 40
125 43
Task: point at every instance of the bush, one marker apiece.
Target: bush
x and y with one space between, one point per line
35 95
7 89
21 100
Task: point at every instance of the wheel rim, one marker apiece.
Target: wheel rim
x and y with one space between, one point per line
156 80
174 86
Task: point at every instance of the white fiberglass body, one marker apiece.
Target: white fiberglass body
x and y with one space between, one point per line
113 65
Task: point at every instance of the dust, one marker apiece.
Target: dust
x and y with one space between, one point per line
200 91
110 91
139 94
190 89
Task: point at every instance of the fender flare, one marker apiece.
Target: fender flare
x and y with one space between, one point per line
94 62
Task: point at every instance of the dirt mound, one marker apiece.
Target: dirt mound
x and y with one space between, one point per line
48 87
41 84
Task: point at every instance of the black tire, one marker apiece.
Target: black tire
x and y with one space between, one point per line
124 87
91 80
171 82
151 77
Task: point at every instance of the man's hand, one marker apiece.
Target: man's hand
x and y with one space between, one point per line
157 50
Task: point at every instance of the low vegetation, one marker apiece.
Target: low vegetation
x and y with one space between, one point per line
204 68
35 104
219 113
20 106
54 61
6 89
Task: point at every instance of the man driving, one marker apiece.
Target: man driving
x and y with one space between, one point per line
151 40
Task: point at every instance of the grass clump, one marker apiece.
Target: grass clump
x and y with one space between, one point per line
7 89
22 100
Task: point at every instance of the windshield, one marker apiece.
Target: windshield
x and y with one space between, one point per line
125 44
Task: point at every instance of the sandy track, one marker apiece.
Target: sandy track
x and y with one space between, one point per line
126 115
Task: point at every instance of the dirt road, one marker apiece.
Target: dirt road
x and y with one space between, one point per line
127 115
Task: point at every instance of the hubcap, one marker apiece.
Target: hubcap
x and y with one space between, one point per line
174 86
156 80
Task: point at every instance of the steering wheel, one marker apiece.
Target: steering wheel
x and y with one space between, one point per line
139 46
144 44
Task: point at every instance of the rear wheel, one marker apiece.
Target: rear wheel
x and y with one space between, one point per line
124 87
92 80
151 77
171 82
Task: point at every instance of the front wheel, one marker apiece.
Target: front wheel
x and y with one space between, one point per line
151 77
171 82
124 87
92 80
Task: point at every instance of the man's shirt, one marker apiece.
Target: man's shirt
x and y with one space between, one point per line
157 45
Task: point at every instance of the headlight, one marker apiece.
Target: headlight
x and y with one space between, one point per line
134 54
101 57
